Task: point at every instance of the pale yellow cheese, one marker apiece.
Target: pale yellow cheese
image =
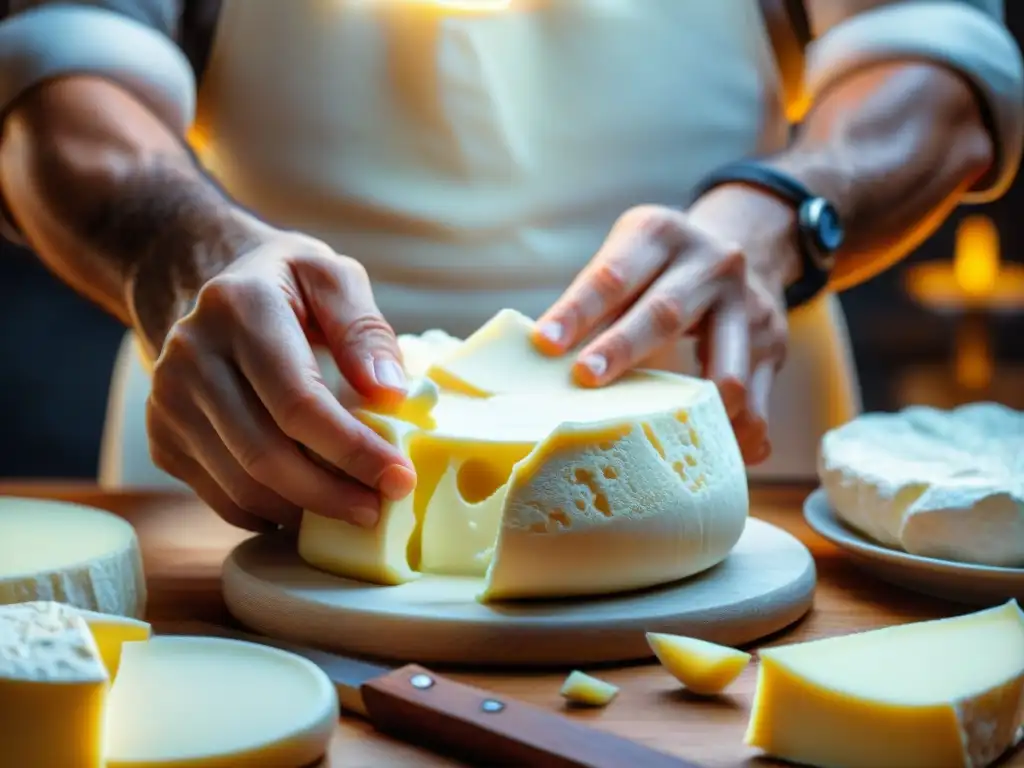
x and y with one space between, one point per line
53 688
199 702
704 668
112 632
936 694
552 492
71 554
415 407
581 688
501 357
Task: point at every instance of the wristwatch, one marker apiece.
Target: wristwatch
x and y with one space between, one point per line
819 228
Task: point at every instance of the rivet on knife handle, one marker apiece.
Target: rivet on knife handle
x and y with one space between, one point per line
421 707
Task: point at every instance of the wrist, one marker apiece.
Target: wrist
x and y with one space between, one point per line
163 285
759 223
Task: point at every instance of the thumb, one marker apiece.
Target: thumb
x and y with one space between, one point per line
360 340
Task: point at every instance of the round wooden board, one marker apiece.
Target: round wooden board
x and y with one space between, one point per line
765 584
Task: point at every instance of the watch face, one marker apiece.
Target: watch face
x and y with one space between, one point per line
820 222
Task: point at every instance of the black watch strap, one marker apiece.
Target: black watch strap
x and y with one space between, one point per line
813 278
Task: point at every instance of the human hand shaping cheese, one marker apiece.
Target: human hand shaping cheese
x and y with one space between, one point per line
663 274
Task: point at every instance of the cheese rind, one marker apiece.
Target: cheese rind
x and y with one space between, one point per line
53 688
199 701
546 489
581 688
936 694
71 554
941 484
704 668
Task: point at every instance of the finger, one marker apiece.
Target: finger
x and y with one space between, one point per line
254 441
662 315
761 382
338 293
281 368
638 248
729 350
169 457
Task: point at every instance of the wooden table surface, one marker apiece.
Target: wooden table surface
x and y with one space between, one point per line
184 544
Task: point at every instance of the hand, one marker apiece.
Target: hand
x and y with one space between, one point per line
238 402
663 274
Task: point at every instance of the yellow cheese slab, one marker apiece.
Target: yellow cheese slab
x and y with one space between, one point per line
935 694
581 688
703 667
53 688
199 702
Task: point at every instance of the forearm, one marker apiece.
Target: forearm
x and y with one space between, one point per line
894 147
113 202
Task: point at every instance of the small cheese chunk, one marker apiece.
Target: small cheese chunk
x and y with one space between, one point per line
941 484
935 694
53 688
70 553
215 703
416 407
580 688
704 668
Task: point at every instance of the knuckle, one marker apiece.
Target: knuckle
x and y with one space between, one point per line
259 461
655 222
294 409
235 296
609 280
368 327
667 315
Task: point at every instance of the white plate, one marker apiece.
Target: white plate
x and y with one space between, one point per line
959 582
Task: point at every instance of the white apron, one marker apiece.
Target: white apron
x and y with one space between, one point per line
474 161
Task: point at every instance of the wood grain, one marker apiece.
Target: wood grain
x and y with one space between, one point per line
184 545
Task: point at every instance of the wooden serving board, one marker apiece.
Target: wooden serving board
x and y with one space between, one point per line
765 584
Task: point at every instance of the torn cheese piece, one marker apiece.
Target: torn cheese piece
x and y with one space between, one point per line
580 688
935 694
555 493
216 703
501 357
416 407
53 688
70 553
704 668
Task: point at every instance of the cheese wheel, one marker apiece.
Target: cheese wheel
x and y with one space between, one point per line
941 484
71 554
216 703
545 489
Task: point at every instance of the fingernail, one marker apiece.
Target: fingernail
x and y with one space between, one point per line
596 364
552 331
389 374
365 517
396 482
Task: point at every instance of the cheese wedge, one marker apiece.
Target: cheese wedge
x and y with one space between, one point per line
545 489
53 688
704 668
71 554
580 688
935 694
111 632
186 702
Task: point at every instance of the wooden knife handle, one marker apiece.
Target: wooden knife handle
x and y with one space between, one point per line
419 706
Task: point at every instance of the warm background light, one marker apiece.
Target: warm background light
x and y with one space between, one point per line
976 258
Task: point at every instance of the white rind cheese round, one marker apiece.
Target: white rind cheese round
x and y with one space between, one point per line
545 489
940 484
70 554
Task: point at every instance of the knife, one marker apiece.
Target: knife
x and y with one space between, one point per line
420 707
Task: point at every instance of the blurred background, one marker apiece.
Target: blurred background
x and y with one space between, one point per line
913 340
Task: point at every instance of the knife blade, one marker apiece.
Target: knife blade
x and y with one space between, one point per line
415 705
